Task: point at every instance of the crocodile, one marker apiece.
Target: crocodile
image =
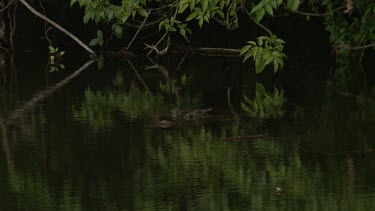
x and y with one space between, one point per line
180 114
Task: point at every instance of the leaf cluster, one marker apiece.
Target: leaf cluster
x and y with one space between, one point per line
55 58
264 51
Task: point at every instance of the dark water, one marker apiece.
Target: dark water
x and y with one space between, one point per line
92 144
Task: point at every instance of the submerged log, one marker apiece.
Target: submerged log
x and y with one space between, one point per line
124 53
240 138
188 50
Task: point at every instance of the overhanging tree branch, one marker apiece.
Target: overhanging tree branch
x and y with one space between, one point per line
320 14
353 47
57 26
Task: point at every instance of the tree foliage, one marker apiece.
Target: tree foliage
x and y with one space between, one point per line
350 24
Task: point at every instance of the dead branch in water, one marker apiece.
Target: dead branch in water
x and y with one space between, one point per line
57 26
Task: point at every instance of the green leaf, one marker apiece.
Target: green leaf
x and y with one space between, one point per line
245 49
200 22
259 65
260 42
99 34
86 17
72 2
94 41
183 32
221 14
293 4
248 55
269 9
191 16
260 15
110 14
222 4
280 41
268 59
160 25
183 8
259 6
52 69
188 31
118 31
204 5
192 4
97 19
51 49
142 12
273 4
251 42
255 51
206 19
172 29
275 66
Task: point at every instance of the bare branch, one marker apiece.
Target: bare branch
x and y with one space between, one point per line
353 48
139 29
320 14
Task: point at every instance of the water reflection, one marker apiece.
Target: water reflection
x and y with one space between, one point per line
97 150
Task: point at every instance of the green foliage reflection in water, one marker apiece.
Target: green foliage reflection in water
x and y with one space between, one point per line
264 105
191 167
98 106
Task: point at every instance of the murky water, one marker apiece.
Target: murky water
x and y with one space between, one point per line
94 143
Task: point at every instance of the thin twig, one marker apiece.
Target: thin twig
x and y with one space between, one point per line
6 6
256 22
45 25
139 29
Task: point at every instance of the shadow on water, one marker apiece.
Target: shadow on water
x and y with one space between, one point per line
93 144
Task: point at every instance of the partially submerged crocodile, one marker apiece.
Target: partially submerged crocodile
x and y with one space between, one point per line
180 114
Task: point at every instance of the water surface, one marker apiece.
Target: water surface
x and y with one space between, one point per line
92 144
